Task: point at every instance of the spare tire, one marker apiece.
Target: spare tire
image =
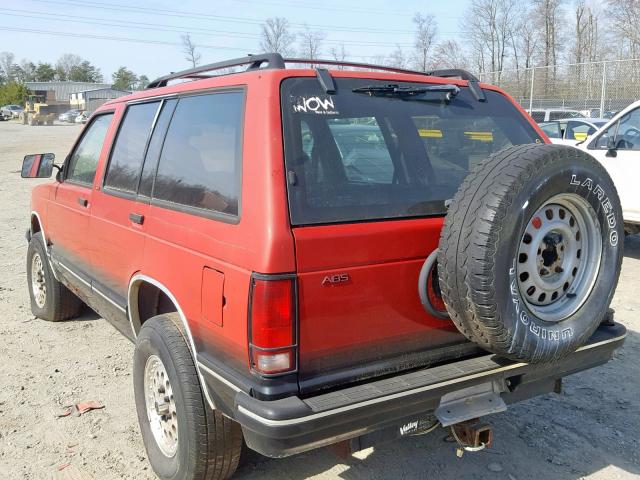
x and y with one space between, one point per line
530 252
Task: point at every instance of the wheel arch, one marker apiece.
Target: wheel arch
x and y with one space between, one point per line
140 281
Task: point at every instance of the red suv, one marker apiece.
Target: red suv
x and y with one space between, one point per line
272 241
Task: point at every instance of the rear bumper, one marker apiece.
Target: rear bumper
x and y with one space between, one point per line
284 427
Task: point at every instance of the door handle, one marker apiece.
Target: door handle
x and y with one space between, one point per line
136 218
83 201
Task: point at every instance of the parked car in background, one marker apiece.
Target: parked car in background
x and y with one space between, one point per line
14 110
571 132
69 115
546 115
617 146
610 114
82 118
4 114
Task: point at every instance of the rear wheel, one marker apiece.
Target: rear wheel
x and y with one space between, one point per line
531 251
50 299
185 439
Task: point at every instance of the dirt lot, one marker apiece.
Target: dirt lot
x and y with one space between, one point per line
591 431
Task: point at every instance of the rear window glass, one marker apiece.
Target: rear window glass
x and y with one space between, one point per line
354 157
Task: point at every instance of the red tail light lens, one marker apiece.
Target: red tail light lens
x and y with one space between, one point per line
272 322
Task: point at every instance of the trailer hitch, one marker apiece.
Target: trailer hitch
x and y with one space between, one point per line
471 436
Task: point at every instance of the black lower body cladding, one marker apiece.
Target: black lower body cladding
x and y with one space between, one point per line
531 250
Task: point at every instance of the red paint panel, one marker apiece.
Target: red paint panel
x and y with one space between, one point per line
212 296
376 314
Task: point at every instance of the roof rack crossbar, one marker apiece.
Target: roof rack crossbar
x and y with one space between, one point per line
254 62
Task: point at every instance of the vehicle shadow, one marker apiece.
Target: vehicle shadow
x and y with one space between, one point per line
591 427
632 246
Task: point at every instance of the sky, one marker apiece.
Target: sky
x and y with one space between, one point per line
144 35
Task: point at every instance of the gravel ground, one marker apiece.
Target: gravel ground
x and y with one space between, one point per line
591 431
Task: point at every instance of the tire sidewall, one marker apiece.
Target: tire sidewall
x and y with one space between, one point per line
151 342
36 245
545 340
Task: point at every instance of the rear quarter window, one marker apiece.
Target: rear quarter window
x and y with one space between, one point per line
200 163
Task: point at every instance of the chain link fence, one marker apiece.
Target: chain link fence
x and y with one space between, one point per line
593 88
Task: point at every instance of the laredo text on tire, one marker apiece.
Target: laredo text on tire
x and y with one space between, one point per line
184 438
530 252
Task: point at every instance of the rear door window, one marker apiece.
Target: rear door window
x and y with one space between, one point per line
200 164
128 152
354 156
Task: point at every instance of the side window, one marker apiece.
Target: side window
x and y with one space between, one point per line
200 161
603 139
129 148
155 146
628 137
82 164
551 129
537 116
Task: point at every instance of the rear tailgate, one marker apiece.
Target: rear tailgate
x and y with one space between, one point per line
359 310
370 169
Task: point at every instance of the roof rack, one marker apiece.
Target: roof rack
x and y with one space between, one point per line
269 61
254 62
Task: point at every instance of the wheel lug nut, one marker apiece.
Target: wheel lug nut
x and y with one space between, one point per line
544 271
559 270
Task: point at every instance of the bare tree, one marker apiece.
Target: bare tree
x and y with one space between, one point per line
426 29
449 54
7 60
527 43
189 48
311 43
489 25
65 65
549 17
276 37
625 16
585 43
397 58
339 54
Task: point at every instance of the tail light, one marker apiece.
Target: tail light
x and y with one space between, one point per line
272 324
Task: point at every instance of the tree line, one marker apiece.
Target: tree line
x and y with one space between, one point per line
498 35
69 67
495 35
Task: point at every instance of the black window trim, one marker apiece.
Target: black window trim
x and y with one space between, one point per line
123 193
202 212
144 198
65 167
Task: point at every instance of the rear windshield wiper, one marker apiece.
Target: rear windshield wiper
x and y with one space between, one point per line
409 93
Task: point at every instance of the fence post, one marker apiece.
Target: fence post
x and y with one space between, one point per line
603 90
533 72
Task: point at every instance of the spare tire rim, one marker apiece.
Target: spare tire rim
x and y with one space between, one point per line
559 257
38 281
161 407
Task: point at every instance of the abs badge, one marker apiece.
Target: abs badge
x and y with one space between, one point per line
319 104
